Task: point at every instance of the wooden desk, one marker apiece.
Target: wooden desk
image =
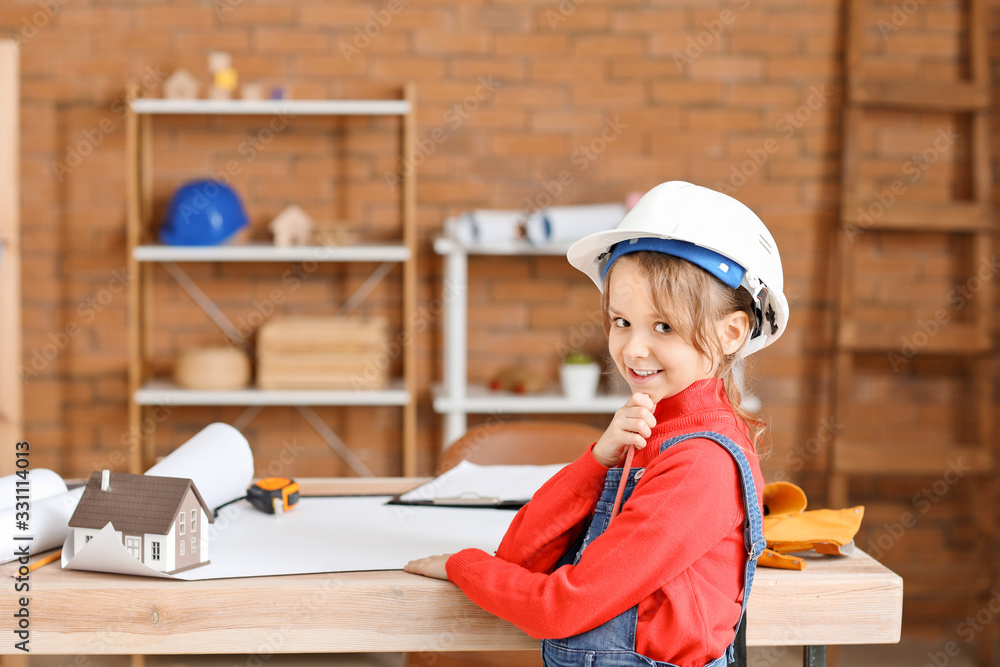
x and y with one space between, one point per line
852 600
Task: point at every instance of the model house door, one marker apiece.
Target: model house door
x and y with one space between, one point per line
134 544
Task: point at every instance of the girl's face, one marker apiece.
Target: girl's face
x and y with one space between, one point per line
653 358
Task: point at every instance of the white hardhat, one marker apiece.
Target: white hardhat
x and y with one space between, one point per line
707 228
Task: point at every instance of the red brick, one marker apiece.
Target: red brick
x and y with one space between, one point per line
442 42
283 40
612 46
541 44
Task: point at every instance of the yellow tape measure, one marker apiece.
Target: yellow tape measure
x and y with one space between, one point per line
274 495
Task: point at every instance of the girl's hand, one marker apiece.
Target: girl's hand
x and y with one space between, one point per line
631 425
432 566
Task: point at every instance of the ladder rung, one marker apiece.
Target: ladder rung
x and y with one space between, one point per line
886 211
922 337
909 458
920 95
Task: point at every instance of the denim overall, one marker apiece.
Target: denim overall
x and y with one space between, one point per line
613 643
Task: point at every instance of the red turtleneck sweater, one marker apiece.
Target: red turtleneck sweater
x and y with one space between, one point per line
676 549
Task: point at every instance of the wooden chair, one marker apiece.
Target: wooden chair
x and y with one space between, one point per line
510 443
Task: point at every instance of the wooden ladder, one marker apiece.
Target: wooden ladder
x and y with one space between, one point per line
957 341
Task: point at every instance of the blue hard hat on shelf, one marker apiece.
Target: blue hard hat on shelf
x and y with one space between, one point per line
202 212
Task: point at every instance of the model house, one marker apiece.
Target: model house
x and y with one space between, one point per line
162 521
292 226
181 85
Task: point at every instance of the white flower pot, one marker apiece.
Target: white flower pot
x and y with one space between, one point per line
579 381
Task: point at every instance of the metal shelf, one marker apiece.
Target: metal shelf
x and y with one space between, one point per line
446 246
481 400
265 252
275 107
165 392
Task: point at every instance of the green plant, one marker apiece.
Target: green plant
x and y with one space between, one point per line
577 357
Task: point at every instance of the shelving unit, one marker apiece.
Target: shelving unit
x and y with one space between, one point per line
11 382
963 346
456 399
147 391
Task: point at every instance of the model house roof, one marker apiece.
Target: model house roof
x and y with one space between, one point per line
134 503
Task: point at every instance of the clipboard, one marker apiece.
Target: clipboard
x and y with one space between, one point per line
480 486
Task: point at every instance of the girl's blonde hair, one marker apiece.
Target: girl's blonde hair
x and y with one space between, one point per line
692 300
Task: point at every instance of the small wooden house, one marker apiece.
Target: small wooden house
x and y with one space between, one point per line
162 521
292 227
181 85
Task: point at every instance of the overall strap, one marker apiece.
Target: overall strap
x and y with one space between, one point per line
753 527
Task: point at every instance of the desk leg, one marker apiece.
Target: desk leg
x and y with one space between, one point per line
814 656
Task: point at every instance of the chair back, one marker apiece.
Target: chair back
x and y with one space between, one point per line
521 443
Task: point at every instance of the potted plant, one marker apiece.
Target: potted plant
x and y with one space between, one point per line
580 375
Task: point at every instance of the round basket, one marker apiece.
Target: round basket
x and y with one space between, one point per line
213 368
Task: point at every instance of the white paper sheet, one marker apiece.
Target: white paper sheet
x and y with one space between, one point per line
468 480
345 534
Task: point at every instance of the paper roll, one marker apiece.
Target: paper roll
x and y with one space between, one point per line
48 525
566 224
488 227
217 459
39 483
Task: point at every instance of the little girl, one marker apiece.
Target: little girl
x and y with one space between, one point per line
692 283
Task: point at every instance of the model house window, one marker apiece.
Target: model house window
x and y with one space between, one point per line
155 548
182 547
180 523
194 521
194 546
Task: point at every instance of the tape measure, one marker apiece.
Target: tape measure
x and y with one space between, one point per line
274 495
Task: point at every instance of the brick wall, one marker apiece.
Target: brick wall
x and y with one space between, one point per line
513 97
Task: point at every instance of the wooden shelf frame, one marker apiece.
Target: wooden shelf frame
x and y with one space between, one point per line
974 340
145 391
11 383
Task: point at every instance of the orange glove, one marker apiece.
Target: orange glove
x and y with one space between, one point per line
789 528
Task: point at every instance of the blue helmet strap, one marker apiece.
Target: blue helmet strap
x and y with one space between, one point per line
720 266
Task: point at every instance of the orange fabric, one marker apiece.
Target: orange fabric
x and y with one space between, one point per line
789 528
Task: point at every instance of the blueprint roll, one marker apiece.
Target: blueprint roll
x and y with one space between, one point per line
48 525
38 482
217 459
488 227
566 224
